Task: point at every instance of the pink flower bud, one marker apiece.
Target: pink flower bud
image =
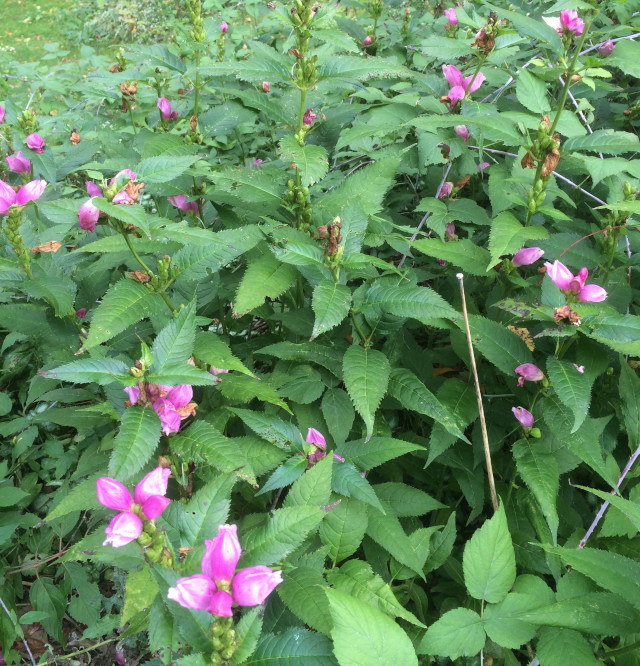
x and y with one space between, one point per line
368 40
119 658
179 396
113 494
592 293
529 372
164 106
123 198
250 587
193 592
265 86
220 605
525 417
88 216
315 437
222 554
449 231
559 274
1 114
123 528
309 117
256 163
133 392
461 131
154 483
181 203
452 18
526 256
445 190
224 26
18 163
93 190
36 143
606 48
81 313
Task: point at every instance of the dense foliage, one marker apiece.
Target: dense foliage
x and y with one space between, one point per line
256 283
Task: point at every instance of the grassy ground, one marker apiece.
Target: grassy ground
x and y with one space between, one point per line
28 25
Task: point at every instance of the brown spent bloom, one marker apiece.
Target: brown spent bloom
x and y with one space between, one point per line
565 312
334 237
484 42
133 190
193 123
75 137
462 182
141 277
49 246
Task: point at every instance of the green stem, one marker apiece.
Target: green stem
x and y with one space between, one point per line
196 102
167 300
300 292
73 654
133 124
618 651
303 99
361 335
481 60
136 255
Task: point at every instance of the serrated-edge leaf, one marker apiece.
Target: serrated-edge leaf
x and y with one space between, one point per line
330 303
135 442
573 388
99 370
458 633
174 343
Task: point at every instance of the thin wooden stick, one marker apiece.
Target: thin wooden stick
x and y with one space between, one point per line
483 423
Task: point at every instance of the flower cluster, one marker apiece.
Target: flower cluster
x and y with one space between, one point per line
318 449
164 106
219 586
30 192
171 403
460 85
574 285
147 503
568 21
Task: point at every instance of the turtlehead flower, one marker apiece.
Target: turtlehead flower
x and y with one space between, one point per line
579 368
483 165
460 85
265 86
172 404
181 203
219 586
568 20
449 232
123 528
575 285
445 190
30 192
368 40
309 117
526 256
88 215
452 18
164 106
224 26
256 163
18 163
525 417
36 143
122 177
461 131
93 190
81 313
528 372
1 114
606 48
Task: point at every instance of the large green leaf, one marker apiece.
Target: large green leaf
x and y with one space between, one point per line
363 635
303 592
489 561
135 442
629 388
293 647
338 413
284 435
348 481
508 235
470 257
559 647
313 488
214 350
503 623
134 215
603 141
174 343
343 528
241 388
164 168
285 475
498 344
311 161
572 388
331 303
126 303
59 291
620 332
100 370
458 633
353 67
532 92
366 375
376 451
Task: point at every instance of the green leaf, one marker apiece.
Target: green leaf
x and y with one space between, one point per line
283 532
293 647
164 168
354 67
532 92
311 161
629 388
248 632
405 500
134 214
507 235
572 388
626 56
343 528
303 592
173 375
83 495
271 428
503 624
309 352
620 332
125 303
386 531
213 350
369 454
363 635
102 371
174 343
458 633
630 509
313 488
241 388
59 291
539 471
135 442
498 344
331 303
285 475
489 561
532 27
405 387
470 257
139 592
366 375
348 481
559 647
265 277
606 141
46 596
338 413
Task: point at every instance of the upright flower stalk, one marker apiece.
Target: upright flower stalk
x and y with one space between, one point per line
194 7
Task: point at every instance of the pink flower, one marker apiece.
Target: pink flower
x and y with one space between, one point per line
526 256
449 231
224 26
117 178
113 494
180 396
123 198
461 131
36 143
81 313
309 117
88 215
483 165
93 190
164 105
154 483
265 86
133 392
123 528
445 190
525 417
564 279
528 372
181 203
460 86
606 48
169 417
579 368
19 163
250 587
30 192
571 22
220 604
452 18
368 40
256 163
1 114
221 555
316 437
193 592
